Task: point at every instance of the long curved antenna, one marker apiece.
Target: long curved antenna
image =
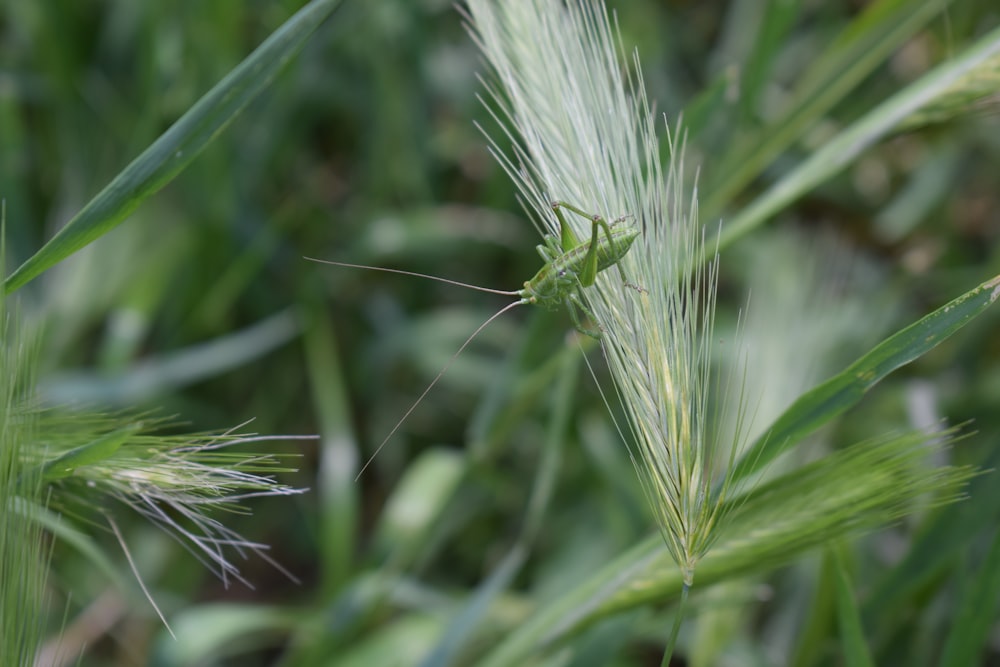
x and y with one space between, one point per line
415 275
435 380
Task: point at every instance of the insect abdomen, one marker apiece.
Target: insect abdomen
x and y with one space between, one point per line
608 255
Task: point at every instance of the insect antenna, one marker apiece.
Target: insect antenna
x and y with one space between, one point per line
440 373
415 275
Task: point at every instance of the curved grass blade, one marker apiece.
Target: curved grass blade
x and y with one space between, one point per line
568 613
84 544
168 371
179 145
833 397
861 47
875 126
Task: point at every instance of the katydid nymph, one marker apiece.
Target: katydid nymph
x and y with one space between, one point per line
570 265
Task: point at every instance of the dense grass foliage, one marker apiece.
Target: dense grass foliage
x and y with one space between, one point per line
504 522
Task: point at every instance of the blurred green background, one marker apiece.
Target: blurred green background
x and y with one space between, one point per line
366 150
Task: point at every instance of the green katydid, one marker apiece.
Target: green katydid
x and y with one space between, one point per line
570 265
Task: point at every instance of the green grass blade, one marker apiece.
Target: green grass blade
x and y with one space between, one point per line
840 151
471 614
852 635
338 493
864 46
84 545
461 629
701 110
812 634
771 35
977 608
176 148
563 615
937 547
210 632
417 503
836 395
171 370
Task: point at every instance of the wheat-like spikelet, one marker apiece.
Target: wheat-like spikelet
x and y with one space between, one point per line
583 133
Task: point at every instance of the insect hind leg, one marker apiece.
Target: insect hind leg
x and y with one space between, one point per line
598 220
573 304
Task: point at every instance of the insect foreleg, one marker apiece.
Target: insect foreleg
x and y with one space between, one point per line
549 250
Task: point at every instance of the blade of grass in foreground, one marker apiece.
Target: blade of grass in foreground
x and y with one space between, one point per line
852 634
179 145
833 397
837 497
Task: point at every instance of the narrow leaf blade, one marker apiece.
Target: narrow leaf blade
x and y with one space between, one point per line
852 636
836 395
176 148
